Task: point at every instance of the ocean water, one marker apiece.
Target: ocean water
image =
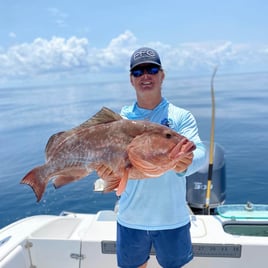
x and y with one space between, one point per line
30 115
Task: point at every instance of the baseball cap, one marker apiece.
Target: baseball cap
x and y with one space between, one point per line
144 55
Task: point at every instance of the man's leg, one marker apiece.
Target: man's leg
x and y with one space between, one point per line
132 247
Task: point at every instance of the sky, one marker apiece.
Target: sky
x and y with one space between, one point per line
55 41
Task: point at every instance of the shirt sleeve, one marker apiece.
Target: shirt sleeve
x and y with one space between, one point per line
187 126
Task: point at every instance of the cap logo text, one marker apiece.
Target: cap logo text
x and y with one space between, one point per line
144 53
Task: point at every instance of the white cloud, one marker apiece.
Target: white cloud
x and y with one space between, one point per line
42 56
203 56
66 57
117 53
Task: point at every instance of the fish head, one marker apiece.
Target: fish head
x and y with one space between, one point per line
150 152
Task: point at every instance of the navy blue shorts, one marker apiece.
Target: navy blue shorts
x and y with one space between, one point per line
173 248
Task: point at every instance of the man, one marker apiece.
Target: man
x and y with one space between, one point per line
153 212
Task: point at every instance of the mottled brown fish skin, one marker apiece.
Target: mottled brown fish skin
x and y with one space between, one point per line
118 149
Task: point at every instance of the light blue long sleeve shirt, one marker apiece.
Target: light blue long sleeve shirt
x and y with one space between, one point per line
160 203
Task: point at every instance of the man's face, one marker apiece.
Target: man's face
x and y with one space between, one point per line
147 78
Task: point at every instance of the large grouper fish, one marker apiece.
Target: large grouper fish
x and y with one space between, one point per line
117 149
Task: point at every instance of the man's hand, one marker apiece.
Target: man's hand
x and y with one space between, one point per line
183 163
182 153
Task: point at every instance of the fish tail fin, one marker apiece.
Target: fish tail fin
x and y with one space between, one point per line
123 183
35 180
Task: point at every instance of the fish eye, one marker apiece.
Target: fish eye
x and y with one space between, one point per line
168 135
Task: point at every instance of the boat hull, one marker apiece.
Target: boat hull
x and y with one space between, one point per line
88 240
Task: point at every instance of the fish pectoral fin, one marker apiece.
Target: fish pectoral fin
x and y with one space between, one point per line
123 183
145 167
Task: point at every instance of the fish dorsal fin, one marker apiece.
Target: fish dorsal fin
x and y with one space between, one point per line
105 115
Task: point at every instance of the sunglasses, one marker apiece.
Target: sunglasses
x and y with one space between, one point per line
149 69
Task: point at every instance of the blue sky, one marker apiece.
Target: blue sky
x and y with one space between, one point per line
87 40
